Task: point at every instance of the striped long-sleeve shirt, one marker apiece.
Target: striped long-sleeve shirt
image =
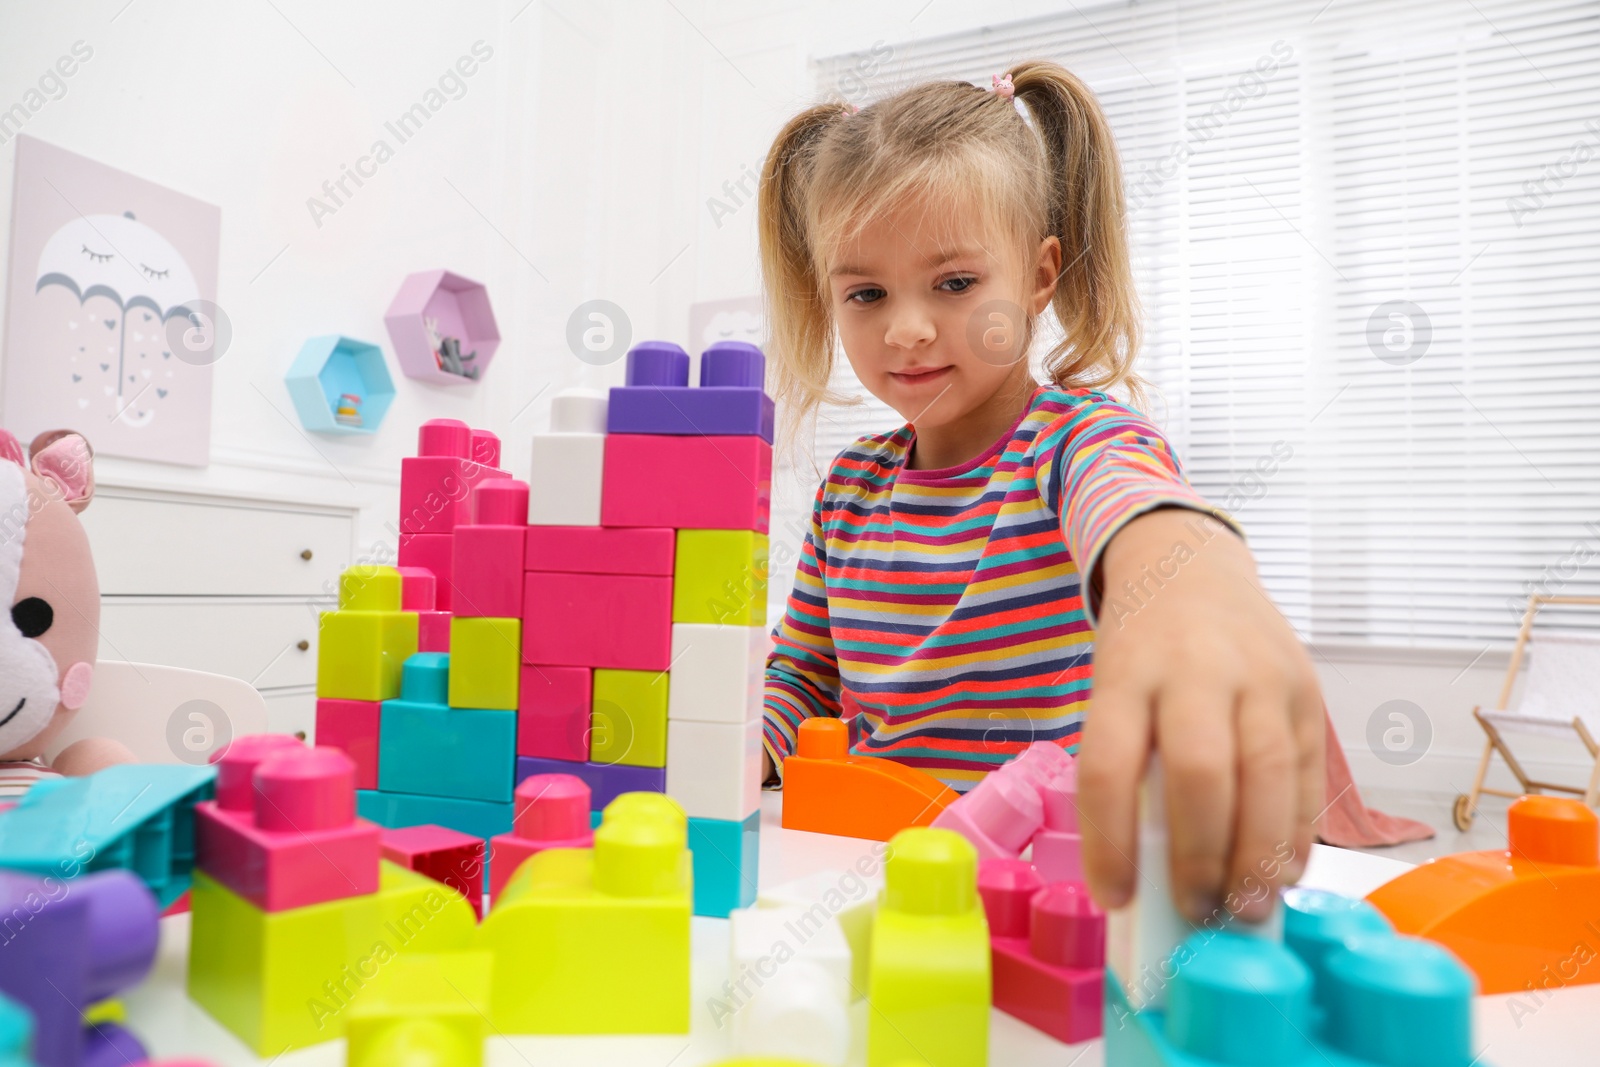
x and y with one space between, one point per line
949 606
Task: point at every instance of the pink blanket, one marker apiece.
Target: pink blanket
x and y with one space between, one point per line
1351 824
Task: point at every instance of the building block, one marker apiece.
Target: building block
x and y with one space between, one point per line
423 1009
16 1034
445 855
1047 950
134 817
728 401
929 979
433 553
727 856
552 812
296 841
606 781
1058 846
486 662
428 747
486 564
717 672
418 589
1030 799
352 727
597 620
436 484
608 927
565 476
479 818
791 990
362 645
828 791
553 709
67 946
629 720
600 549
700 483
714 768
720 578
1512 915
485 448
847 896
286 979
433 631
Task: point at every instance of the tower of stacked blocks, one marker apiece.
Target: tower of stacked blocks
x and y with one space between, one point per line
603 620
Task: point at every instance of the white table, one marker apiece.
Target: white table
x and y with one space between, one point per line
1558 1031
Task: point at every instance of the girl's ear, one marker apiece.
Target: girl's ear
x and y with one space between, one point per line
64 458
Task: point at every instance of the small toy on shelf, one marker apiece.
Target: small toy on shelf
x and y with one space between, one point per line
347 412
828 791
435 317
334 378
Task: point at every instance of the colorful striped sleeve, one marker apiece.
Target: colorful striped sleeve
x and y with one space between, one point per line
802 678
1105 466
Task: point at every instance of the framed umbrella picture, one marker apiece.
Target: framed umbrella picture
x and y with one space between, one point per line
111 321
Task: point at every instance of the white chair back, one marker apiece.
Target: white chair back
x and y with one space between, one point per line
1563 680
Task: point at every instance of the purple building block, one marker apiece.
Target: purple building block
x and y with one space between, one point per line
66 945
729 400
606 781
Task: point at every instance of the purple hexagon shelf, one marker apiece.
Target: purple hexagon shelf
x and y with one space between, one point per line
443 328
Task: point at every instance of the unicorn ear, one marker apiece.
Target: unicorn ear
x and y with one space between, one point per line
65 458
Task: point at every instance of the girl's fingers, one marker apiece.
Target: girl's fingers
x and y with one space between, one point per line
1310 725
1111 765
1194 734
1267 805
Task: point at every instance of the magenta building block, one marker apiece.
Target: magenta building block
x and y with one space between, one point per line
1006 887
352 727
456 307
485 448
444 437
606 781
597 620
448 856
418 589
436 492
553 709
236 767
431 552
999 815
695 483
500 502
433 631
552 811
658 363
1047 950
1058 854
600 549
485 571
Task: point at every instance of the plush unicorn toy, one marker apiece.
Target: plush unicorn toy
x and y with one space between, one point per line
48 642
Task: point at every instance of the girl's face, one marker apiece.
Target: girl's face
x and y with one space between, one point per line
933 311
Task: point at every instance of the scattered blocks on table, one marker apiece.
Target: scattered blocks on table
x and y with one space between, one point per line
423 1009
606 781
67 947
791 991
552 812
433 553
629 720
485 662
717 672
428 747
828 791
362 645
553 709
658 400
1048 950
445 855
597 620
486 565
567 462
352 727
702 483
714 768
850 897
297 841
608 927
479 818
720 578
600 550
727 856
929 978
134 817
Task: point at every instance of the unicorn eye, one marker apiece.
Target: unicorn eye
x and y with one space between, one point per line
32 616
98 257
152 272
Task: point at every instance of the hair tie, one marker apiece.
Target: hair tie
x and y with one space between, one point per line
1002 86
850 109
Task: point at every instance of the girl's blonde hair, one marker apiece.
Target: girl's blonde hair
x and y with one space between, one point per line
832 169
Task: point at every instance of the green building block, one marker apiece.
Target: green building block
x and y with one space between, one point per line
596 941
720 577
929 979
362 646
423 1008
485 663
628 723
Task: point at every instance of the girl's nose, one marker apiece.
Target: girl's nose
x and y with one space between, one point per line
909 326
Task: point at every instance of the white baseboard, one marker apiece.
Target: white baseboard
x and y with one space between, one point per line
1450 773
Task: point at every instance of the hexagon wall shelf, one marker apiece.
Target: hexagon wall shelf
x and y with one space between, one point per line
443 328
340 385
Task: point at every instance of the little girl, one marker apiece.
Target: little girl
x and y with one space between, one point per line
971 577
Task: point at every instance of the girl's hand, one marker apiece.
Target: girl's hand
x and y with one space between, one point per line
1194 661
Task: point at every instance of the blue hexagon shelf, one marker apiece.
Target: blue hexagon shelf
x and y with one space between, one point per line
340 385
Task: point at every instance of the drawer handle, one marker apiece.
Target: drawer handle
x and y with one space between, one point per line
305 553
303 645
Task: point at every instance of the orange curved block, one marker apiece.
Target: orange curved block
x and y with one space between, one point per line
1526 917
828 791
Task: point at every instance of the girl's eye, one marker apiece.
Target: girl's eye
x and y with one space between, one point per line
958 284
865 296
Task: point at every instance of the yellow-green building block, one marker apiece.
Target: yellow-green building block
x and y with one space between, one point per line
929 980
485 663
720 576
596 941
423 1008
286 979
628 722
362 646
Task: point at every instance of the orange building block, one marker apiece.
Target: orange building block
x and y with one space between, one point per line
1525 917
828 791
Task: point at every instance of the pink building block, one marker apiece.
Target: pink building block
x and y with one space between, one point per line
486 561
999 815
1058 847
433 631
418 589
597 620
436 492
600 549
552 811
431 552
1047 950
553 709
485 448
447 856
698 483
352 727
283 831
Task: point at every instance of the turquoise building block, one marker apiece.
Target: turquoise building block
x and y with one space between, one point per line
427 747
725 853
136 817
480 818
16 1034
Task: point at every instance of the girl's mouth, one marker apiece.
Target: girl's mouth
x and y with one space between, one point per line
920 376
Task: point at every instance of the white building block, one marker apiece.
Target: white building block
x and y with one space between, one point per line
717 672
714 768
848 897
789 973
564 477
